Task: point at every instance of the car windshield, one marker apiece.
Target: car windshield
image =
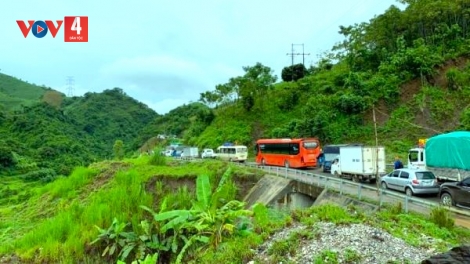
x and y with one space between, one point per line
425 175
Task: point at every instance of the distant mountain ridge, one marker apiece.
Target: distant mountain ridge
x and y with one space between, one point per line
43 129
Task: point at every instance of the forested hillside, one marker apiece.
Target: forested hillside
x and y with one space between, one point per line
53 134
410 65
15 93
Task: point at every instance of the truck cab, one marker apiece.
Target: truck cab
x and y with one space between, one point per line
208 153
444 155
417 159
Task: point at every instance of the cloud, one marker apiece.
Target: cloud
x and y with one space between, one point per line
151 65
165 53
164 106
157 76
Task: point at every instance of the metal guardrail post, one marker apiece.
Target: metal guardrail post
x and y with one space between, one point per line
381 195
406 203
359 191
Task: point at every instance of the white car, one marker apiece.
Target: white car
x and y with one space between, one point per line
208 153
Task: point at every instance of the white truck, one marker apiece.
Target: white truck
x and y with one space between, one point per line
359 163
190 153
446 155
208 153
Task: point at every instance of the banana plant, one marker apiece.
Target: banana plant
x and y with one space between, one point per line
207 221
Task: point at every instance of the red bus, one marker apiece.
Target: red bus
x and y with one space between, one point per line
294 153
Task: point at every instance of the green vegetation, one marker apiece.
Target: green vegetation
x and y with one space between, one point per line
16 93
46 139
57 222
177 212
410 66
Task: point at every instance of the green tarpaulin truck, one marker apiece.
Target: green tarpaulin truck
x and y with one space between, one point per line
446 155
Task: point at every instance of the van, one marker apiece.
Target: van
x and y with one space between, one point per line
232 153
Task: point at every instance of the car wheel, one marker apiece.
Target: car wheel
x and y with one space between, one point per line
384 185
409 192
446 199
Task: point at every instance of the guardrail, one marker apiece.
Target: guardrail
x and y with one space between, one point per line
328 182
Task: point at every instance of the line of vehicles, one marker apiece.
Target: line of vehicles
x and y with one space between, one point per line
356 162
228 152
439 165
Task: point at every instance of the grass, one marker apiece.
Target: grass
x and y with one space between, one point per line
58 220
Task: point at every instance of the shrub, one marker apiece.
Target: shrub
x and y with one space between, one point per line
441 217
44 174
157 159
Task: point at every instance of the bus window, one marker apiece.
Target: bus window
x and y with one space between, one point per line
310 145
294 149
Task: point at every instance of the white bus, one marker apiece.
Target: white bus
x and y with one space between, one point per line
232 153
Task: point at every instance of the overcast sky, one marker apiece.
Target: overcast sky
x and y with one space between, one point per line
165 53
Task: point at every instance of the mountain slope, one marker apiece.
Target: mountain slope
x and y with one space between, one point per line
15 92
416 78
59 133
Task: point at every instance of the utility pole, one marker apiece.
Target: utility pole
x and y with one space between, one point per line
70 82
376 151
292 54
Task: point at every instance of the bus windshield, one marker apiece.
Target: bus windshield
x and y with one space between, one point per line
241 150
310 144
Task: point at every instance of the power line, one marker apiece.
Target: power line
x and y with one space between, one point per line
70 82
412 124
292 54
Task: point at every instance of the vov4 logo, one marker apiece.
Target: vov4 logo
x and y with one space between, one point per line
75 28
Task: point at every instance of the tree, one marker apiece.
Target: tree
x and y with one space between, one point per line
53 98
255 84
293 73
118 149
6 157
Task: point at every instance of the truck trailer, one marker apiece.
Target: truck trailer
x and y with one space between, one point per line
446 155
190 153
359 163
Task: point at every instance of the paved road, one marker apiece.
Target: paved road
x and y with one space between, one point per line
418 204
